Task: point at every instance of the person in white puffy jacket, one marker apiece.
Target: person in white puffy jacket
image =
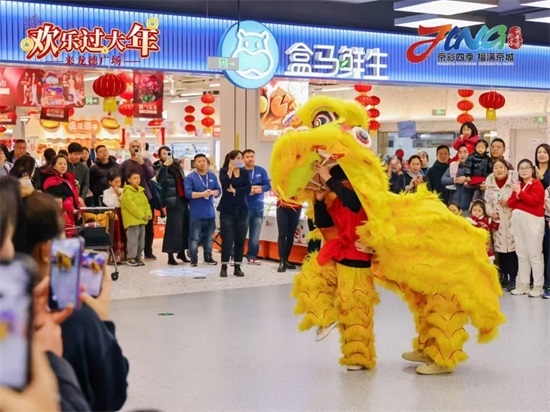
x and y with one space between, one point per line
498 191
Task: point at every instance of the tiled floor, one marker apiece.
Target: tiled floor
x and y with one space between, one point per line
240 349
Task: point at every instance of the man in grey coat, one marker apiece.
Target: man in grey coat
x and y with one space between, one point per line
79 170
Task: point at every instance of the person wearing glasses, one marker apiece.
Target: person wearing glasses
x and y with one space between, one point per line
527 204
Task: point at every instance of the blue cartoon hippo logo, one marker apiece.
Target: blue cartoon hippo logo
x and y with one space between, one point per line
257 50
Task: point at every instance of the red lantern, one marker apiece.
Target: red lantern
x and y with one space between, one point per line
208 122
465 105
362 88
465 92
128 80
492 101
127 110
208 98
109 86
207 110
373 113
363 100
189 109
374 100
189 118
374 125
189 128
464 117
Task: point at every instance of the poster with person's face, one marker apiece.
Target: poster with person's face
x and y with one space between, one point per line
34 87
148 95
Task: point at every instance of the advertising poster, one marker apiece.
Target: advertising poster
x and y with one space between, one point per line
34 87
58 114
148 95
279 99
8 115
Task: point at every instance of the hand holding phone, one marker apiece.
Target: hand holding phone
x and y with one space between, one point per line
102 304
65 271
91 274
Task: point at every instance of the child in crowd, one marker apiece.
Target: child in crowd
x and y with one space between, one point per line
455 209
136 212
479 218
111 198
477 167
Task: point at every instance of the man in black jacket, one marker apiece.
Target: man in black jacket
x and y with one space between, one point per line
436 172
104 164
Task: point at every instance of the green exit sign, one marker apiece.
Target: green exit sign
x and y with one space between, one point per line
439 112
90 100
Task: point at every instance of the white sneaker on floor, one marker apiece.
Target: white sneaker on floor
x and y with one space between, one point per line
323 331
521 289
450 187
536 292
354 367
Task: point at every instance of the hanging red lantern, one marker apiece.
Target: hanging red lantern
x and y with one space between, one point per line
464 117
189 118
362 88
492 101
127 110
109 86
374 125
465 105
128 79
189 128
373 113
189 109
208 122
465 92
208 111
363 100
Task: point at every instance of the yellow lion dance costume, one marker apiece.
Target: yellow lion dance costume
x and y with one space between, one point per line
436 261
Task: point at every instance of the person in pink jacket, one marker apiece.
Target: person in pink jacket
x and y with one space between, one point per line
468 136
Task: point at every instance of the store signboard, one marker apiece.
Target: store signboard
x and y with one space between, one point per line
58 114
83 126
148 95
183 43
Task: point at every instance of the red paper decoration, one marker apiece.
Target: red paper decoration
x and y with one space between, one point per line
155 122
465 105
492 101
208 111
128 79
127 110
109 86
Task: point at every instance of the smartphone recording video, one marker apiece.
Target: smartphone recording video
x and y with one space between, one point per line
65 273
91 273
15 324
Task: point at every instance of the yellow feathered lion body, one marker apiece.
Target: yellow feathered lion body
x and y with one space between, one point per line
421 249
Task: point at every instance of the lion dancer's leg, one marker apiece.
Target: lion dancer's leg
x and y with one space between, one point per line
442 334
357 298
315 291
417 304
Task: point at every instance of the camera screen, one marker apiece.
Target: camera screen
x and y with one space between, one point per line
65 272
91 274
15 312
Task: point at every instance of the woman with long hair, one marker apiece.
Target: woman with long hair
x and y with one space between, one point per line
61 184
176 235
527 203
233 208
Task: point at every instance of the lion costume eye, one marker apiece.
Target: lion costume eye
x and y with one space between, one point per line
323 118
362 136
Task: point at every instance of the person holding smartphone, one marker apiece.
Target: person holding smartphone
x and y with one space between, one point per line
413 177
233 210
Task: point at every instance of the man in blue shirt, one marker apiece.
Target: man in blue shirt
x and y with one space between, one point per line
201 187
259 182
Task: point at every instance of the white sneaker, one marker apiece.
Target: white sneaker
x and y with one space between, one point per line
323 331
354 367
450 187
536 292
521 289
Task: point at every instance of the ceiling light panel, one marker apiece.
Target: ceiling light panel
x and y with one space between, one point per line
443 7
432 20
545 4
539 17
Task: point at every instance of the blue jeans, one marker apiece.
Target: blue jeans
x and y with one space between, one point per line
201 230
255 220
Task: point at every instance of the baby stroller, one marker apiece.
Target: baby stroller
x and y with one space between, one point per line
97 230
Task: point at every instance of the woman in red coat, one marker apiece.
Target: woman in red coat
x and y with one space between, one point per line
61 184
527 204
